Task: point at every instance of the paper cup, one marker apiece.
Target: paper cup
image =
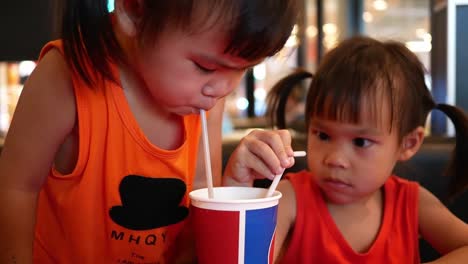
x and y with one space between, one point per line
236 226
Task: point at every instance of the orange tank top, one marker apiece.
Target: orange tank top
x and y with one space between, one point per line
126 200
316 239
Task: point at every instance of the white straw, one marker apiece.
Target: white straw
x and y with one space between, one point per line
206 145
277 178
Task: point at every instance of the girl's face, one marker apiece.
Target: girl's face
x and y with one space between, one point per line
352 161
184 73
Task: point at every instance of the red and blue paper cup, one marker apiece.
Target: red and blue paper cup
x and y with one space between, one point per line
237 226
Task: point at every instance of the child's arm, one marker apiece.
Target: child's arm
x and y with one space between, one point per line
45 114
286 217
443 230
260 154
214 123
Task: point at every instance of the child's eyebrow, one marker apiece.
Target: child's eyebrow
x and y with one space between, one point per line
226 65
369 131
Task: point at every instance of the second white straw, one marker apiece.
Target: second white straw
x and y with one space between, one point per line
277 178
206 146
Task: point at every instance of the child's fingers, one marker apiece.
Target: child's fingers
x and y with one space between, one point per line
258 156
287 140
271 147
246 163
279 141
261 154
261 168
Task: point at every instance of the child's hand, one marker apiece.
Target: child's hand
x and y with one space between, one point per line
260 154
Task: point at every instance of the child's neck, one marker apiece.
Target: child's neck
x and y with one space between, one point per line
360 206
359 222
149 116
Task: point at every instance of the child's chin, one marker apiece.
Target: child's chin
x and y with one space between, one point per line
332 196
183 111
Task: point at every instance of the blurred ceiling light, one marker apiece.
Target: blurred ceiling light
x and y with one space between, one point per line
260 94
419 46
367 17
420 32
110 5
259 71
242 103
380 5
423 34
291 42
25 68
330 41
329 29
294 30
311 32
427 37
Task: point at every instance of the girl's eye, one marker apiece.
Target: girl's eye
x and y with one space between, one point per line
322 136
362 142
204 69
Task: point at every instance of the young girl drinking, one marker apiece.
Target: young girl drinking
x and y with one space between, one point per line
104 145
366 109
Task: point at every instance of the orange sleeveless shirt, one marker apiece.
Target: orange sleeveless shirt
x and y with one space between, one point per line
126 200
316 239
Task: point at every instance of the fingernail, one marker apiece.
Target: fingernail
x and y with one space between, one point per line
279 171
288 161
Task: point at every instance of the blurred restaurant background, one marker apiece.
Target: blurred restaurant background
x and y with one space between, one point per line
435 30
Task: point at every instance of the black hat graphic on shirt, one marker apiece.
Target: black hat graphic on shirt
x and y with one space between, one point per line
149 203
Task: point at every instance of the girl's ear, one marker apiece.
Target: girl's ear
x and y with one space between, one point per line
411 143
127 14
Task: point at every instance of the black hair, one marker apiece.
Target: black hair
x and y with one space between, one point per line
362 68
277 97
255 29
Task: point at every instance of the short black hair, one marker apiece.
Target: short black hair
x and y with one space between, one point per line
255 28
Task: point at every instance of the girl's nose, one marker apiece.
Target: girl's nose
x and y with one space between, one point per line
223 84
336 158
217 90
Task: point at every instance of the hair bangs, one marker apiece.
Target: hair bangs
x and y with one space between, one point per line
254 29
260 28
347 89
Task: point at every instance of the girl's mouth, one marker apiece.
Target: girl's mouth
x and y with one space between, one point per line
336 184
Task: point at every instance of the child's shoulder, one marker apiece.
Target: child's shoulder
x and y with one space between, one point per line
399 189
302 183
50 84
52 68
52 57
399 181
55 45
301 176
